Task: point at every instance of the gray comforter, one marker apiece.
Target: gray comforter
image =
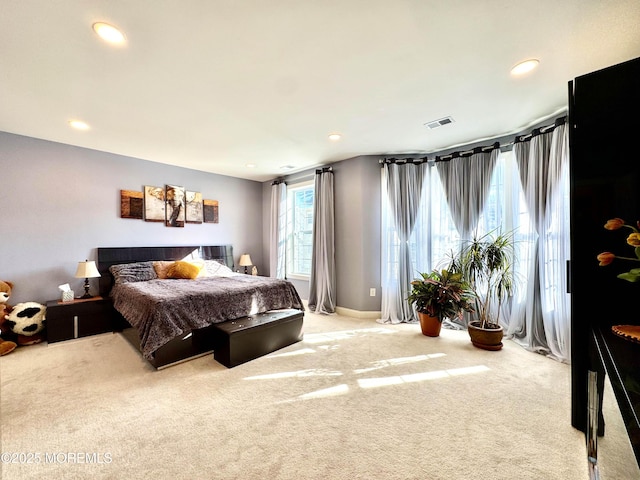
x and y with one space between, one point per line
162 310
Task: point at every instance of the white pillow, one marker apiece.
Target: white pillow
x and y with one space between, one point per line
213 268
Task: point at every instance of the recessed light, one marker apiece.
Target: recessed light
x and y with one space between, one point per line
334 137
287 167
250 165
108 33
79 124
524 67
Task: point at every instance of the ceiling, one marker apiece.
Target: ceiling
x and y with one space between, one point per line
216 85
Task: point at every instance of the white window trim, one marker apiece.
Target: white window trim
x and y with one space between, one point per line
290 189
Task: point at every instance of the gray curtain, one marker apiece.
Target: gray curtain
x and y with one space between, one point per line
541 321
466 182
278 230
403 183
533 168
322 284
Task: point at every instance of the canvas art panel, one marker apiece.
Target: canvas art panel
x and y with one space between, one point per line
174 206
210 211
194 213
171 204
154 210
131 204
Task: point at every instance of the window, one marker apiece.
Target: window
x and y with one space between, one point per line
299 230
435 236
440 233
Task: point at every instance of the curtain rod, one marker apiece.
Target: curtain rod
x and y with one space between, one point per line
324 170
537 131
467 153
401 161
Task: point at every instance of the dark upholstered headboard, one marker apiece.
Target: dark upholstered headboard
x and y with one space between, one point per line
108 256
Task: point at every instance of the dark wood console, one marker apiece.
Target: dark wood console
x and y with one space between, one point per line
619 359
604 121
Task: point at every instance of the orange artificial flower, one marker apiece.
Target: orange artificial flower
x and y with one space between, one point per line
614 224
634 239
605 258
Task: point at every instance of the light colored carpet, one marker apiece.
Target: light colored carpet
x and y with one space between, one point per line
354 400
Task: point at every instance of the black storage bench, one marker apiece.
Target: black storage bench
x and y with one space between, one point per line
241 340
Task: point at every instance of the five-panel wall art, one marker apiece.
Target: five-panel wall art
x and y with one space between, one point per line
170 204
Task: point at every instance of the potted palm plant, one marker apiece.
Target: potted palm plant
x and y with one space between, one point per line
439 295
486 263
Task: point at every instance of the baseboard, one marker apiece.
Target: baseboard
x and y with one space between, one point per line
348 312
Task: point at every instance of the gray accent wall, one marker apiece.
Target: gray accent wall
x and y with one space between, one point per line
357 230
357 216
60 203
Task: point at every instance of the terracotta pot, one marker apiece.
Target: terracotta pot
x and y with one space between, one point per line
485 338
429 325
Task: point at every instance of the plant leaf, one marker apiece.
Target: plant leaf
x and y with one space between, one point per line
630 276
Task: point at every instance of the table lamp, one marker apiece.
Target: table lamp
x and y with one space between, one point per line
87 270
245 261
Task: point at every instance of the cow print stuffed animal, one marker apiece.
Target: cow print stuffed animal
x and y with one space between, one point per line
27 321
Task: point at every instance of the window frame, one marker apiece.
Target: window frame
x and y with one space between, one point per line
289 247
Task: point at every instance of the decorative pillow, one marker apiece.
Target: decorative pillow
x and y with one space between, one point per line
161 267
182 269
133 272
200 264
216 269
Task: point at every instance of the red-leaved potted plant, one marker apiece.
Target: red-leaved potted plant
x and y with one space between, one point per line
439 295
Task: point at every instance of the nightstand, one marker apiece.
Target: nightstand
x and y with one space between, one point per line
79 318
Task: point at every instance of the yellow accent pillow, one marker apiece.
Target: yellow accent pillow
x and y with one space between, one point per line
161 267
182 269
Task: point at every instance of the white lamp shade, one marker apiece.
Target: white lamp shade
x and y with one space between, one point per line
87 269
245 260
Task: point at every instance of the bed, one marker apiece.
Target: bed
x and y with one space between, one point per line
171 320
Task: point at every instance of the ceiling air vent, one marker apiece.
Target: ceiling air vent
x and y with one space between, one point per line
438 123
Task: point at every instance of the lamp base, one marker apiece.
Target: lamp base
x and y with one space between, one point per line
86 289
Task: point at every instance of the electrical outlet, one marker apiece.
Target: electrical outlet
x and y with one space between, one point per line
372 292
